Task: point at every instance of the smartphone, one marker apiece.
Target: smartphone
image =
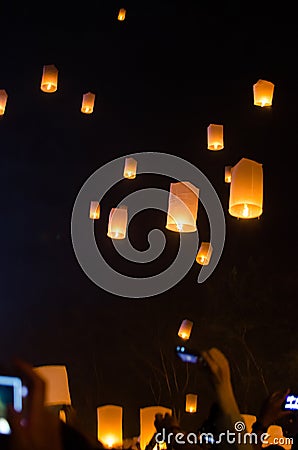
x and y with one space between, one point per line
291 403
11 391
189 355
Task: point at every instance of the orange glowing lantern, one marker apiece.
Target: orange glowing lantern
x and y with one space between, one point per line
94 212
185 329
147 417
263 93
182 207
3 100
215 137
109 425
118 223
88 103
122 14
204 253
249 420
191 403
49 81
57 389
228 174
246 191
130 168
275 435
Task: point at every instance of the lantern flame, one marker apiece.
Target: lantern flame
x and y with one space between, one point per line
110 441
245 211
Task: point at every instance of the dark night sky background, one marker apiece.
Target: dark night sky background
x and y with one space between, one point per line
161 77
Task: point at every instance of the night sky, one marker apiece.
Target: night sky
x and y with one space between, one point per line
160 78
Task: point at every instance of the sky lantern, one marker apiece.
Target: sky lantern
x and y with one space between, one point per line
88 103
121 14
94 212
3 100
215 137
263 93
130 168
185 329
147 417
228 174
49 81
274 435
182 207
57 389
109 425
118 223
249 420
191 403
246 191
204 253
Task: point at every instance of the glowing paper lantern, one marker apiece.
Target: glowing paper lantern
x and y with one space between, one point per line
185 329
204 253
109 425
246 191
228 174
118 223
182 207
130 168
3 100
57 389
263 93
215 137
88 103
147 417
249 420
122 14
49 81
275 436
94 212
191 403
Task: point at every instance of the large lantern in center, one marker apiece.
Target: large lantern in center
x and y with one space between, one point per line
246 190
118 223
183 207
109 425
215 137
49 81
263 93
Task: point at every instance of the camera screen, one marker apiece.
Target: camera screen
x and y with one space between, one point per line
6 398
10 394
185 356
291 402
